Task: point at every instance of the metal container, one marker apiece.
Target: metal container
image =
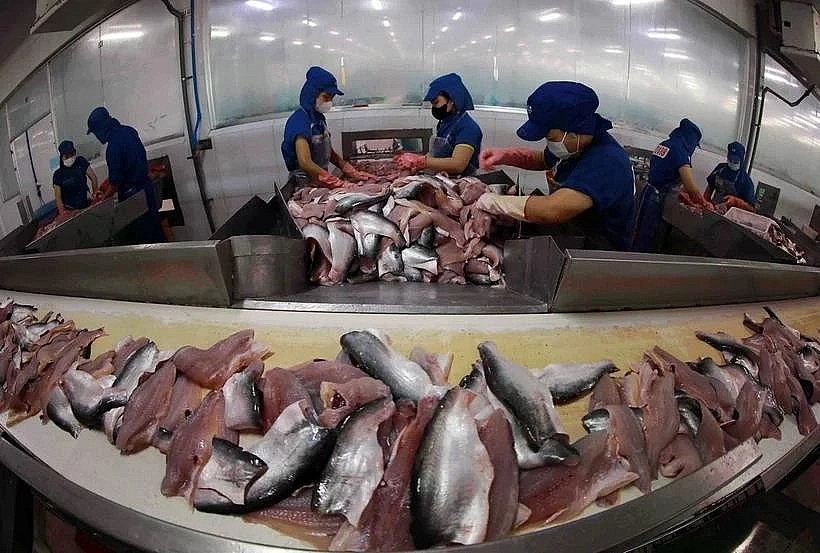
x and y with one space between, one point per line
268 266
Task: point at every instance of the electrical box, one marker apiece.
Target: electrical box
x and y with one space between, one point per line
800 28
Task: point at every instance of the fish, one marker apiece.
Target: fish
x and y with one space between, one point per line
567 382
495 433
356 465
224 479
124 350
724 342
679 457
749 405
212 367
143 361
367 246
428 238
146 407
295 449
186 395
341 399
607 391
452 476
436 365
89 398
320 236
295 510
27 336
313 373
626 430
101 365
530 402
343 250
390 261
405 378
367 222
700 424
243 403
59 411
20 312
280 388
346 203
191 446
385 522
419 257
660 412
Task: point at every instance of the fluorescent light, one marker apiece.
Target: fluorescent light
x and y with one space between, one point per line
509 29
297 42
267 38
334 33
661 35
549 16
349 39
445 29
433 43
457 16
317 46
547 40
386 22
778 79
376 4
473 41
675 56
633 2
392 33
309 22
488 37
259 5
122 35
219 32
614 50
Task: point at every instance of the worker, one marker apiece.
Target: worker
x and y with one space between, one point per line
127 174
670 172
457 144
593 176
729 185
70 180
306 146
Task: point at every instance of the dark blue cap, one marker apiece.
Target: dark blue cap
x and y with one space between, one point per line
564 105
323 80
97 119
453 86
736 152
66 147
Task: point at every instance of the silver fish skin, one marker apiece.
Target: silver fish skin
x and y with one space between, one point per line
20 312
355 200
412 274
409 191
569 381
690 413
367 244
224 479
320 235
527 399
452 476
553 452
389 261
90 398
724 342
243 400
367 222
343 251
144 360
58 410
428 238
405 378
598 419
356 465
295 449
27 336
419 257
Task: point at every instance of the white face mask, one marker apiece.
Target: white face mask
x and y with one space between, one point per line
323 107
559 149
733 166
70 161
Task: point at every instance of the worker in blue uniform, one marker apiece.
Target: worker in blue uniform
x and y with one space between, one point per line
592 172
127 174
729 185
456 146
70 180
670 172
306 146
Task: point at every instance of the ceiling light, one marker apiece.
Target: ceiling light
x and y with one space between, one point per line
334 33
633 2
259 5
457 16
392 33
376 5
473 41
675 56
661 35
317 46
509 29
445 29
548 40
219 32
549 16
122 35
488 37
614 50
309 22
386 22
267 38
297 42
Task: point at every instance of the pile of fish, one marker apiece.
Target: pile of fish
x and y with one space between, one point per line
417 228
377 451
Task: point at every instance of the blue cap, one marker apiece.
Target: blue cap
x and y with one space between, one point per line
97 119
66 147
736 152
564 105
452 85
323 80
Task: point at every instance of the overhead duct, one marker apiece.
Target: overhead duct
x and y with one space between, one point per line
800 32
65 15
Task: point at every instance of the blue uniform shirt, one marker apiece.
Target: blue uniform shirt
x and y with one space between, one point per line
72 183
604 173
669 156
731 183
304 124
128 164
459 129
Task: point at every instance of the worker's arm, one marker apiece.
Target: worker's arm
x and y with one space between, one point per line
58 199
709 192
688 182
92 175
336 159
306 163
455 164
559 207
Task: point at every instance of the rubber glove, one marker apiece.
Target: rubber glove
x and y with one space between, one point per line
734 201
349 171
410 161
523 158
329 181
500 204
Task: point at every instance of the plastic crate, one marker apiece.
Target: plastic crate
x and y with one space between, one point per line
759 224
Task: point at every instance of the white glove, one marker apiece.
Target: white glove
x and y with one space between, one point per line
499 204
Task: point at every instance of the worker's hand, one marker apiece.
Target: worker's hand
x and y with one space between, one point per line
411 162
734 201
349 170
329 181
523 158
500 204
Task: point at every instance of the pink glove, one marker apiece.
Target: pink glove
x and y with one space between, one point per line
349 171
329 181
523 158
411 162
500 204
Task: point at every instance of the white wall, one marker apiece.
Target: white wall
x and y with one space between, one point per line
739 12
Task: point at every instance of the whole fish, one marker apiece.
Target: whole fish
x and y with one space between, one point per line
356 465
419 257
343 251
243 402
390 261
27 336
20 312
367 222
90 398
295 449
405 378
367 245
353 201
520 391
724 342
144 360
224 479
58 410
320 235
570 381
452 476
